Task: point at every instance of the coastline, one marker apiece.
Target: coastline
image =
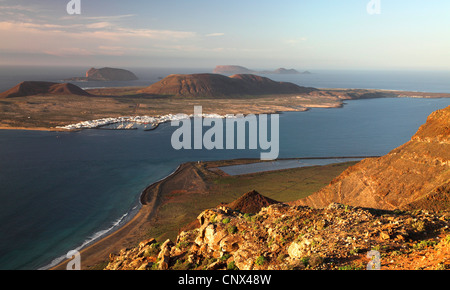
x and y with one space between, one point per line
118 236
126 235
273 109
132 232
155 120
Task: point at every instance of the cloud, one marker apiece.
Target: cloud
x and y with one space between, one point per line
295 41
155 34
67 51
99 18
215 34
99 25
21 8
85 38
105 30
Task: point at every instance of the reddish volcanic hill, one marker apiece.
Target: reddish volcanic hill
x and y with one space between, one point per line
262 85
251 202
31 88
215 85
413 176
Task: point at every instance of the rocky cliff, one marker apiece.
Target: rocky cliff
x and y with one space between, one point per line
415 175
216 85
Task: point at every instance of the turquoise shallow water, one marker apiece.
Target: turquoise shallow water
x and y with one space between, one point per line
257 167
60 190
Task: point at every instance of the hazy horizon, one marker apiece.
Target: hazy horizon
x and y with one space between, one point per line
305 35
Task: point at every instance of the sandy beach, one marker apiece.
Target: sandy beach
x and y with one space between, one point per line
135 230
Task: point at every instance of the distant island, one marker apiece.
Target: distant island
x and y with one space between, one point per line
37 105
236 69
216 85
106 74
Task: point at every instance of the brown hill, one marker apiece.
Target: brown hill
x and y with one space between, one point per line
415 175
110 74
31 88
284 71
251 202
106 74
215 85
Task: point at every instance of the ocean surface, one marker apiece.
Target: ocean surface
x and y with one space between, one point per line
61 191
422 81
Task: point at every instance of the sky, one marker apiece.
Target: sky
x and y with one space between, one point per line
259 34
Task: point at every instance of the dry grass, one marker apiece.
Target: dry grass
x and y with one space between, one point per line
50 111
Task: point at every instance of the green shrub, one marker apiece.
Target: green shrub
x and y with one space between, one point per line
261 260
212 219
225 257
356 267
183 265
305 261
153 250
232 266
447 239
424 244
232 229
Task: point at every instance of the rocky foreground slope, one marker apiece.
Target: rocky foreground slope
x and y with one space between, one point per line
282 237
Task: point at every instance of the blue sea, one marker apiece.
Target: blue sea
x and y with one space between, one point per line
61 191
